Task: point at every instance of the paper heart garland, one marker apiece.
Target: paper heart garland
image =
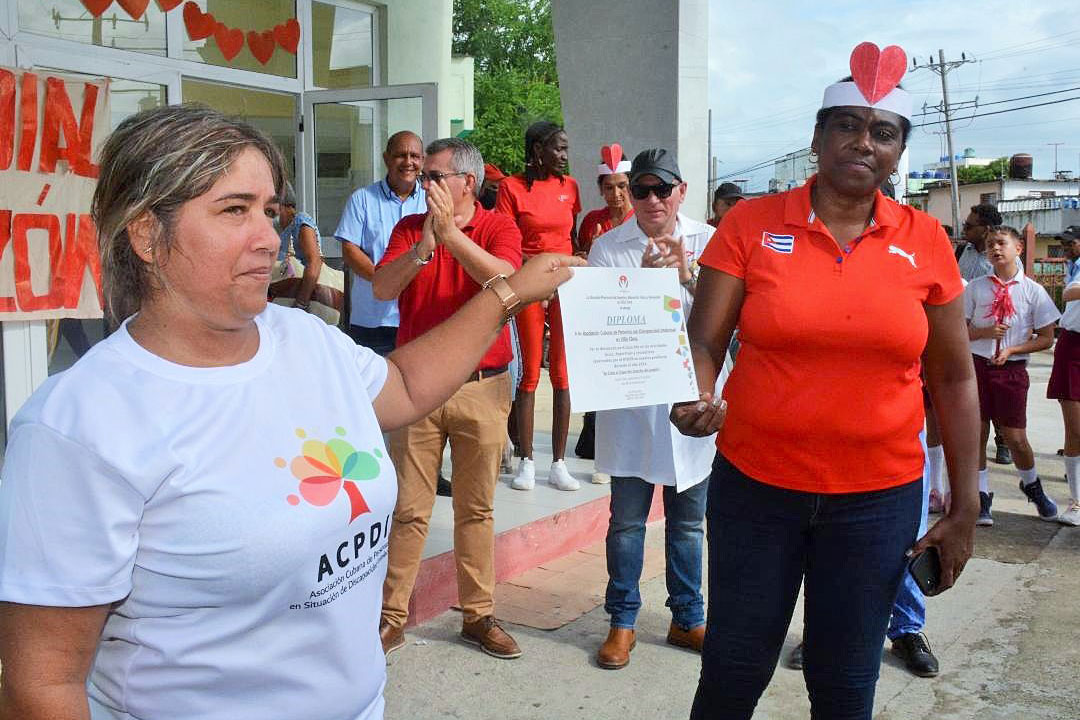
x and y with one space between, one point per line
134 8
167 5
199 24
877 72
261 45
96 7
611 155
287 35
229 40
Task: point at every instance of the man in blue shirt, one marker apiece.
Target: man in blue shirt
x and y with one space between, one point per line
1070 243
364 231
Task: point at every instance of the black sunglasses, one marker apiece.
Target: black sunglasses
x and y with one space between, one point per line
435 176
662 191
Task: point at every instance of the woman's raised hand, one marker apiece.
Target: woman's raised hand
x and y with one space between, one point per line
542 275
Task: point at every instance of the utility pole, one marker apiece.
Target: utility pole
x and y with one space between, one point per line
943 68
1055 157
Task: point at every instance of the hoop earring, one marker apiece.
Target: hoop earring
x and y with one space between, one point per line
895 182
812 157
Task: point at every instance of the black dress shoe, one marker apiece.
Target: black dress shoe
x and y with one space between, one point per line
1003 456
914 650
443 486
795 660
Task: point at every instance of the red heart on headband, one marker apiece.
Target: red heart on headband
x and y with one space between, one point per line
877 72
611 155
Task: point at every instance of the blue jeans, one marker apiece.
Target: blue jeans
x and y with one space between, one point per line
909 610
684 513
762 541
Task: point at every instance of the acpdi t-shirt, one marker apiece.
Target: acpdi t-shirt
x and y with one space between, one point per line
238 516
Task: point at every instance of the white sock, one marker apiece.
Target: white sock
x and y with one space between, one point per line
984 482
1072 475
1028 476
936 455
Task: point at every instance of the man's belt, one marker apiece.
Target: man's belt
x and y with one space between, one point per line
486 373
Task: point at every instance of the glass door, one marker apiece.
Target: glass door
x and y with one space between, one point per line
344 134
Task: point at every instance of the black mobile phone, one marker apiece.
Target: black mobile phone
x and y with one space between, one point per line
925 569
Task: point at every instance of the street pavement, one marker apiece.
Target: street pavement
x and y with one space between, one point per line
1007 636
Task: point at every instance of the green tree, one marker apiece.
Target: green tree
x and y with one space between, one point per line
515 82
983 173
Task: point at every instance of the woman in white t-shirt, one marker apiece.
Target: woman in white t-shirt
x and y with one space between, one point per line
185 530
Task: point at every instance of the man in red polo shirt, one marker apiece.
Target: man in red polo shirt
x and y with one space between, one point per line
434 264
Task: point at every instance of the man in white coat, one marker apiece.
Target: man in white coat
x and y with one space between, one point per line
639 447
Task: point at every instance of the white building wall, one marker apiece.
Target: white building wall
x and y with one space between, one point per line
635 75
418 41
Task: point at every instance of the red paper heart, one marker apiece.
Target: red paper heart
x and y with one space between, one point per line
167 5
199 24
611 155
229 40
877 72
261 45
287 35
134 8
96 7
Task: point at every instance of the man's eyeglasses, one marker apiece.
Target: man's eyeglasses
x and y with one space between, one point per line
662 191
435 176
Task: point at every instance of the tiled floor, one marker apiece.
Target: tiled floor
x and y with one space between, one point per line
559 592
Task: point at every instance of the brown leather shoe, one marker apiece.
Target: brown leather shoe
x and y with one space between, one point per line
491 638
692 639
615 652
393 638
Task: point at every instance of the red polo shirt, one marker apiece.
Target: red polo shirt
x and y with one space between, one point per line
545 213
825 394
442 286
593 219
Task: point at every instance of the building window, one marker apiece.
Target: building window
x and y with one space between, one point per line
115 28
272 112
245 15
988 198
343 47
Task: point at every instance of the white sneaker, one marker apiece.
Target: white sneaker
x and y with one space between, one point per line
561 478
1072 515
526 475
599 478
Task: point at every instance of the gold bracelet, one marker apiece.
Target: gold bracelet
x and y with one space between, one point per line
509 299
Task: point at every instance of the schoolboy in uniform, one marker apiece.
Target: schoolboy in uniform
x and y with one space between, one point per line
1009 316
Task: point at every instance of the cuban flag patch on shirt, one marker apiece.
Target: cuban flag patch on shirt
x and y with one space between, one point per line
778 243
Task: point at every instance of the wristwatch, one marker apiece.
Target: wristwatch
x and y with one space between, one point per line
509 299
420 260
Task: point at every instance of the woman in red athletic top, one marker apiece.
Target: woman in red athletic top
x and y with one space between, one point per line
544 203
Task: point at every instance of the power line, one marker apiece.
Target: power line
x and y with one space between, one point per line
1007 110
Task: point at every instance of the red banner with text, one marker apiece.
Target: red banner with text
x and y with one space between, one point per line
51 128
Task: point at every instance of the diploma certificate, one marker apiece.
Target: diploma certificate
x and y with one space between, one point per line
625 334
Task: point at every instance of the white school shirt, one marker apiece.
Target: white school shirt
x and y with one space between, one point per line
237 516
1070 319
1034 309
641 442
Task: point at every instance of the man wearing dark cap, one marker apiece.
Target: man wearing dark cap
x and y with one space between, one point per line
639 447
1070 243
723 200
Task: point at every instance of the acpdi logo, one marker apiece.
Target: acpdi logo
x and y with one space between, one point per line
624 282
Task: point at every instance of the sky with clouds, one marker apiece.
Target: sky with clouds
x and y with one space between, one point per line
769 62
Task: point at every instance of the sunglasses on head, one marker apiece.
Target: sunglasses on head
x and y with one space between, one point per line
435 176
662 191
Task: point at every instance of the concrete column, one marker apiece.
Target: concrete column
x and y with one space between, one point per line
635 74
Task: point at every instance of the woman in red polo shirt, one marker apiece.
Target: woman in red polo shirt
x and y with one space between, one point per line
836 291
544 203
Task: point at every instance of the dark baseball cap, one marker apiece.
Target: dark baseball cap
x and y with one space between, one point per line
728 190
658 162
1070 233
